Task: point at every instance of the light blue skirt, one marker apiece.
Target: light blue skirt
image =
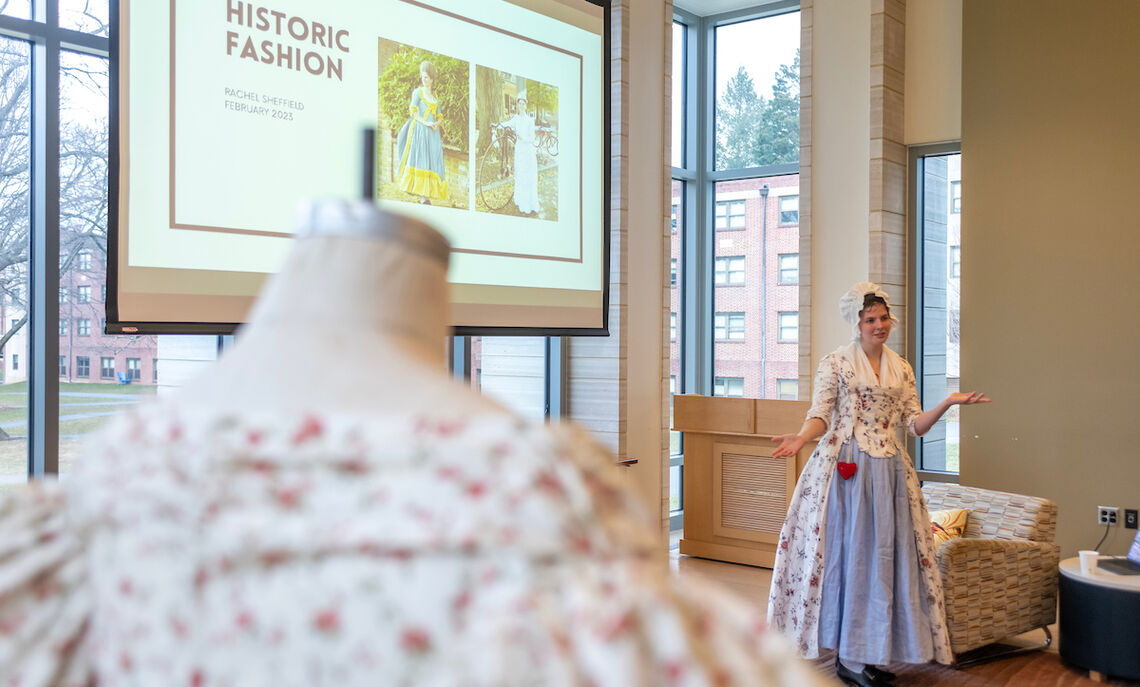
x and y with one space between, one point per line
873 606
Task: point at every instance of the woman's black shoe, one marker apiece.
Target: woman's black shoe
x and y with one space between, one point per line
863 679
879 674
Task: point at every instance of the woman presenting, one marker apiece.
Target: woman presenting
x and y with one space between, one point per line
420 145
855 567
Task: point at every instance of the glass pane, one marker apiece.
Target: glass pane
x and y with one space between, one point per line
678 100
512 370
676 474
21 9
751 350
758 92
941 269
122 366
88 16
15 225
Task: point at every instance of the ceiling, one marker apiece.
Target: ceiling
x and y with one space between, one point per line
704 8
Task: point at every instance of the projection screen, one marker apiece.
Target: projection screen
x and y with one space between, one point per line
490 120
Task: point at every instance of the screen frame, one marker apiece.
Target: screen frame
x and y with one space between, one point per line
115 325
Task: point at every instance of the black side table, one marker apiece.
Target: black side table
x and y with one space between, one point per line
1100 621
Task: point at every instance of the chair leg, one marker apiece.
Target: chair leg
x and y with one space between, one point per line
981 655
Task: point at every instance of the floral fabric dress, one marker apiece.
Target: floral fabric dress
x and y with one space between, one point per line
855 567
420 148
195 548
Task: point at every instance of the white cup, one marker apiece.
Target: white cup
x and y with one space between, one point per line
1088 562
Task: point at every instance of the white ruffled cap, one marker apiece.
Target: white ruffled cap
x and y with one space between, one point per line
851 303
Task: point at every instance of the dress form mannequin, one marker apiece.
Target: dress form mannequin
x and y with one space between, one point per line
355 321
365 520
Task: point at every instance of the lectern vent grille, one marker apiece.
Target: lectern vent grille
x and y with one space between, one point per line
753 492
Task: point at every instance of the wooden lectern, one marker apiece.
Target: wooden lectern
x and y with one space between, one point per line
735 494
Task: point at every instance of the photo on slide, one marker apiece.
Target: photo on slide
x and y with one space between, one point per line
516 166
422 129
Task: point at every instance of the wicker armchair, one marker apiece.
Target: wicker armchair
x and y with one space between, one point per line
1000 578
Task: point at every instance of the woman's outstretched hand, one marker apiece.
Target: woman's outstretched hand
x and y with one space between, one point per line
967 398
790 445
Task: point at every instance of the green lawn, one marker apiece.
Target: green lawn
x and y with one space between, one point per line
14 415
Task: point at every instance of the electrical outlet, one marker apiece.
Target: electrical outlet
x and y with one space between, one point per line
1130 518
1106 515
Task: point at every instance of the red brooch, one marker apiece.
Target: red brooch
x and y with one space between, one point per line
846 470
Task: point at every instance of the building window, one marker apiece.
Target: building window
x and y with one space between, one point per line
154 371
84 294
84 261
134 369
63 366
103 292
729 326
673 218
787 390
63 294
106 368
789 268
63 327
789 327
934 298
672 326
82 366
673 272
15 362
730 271
672 384
789 210
728 386
15 323
730 214
83 326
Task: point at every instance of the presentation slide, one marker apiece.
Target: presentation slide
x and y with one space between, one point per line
489 120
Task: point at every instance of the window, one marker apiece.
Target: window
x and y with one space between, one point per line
730 215
62 366
728 171
934 299
63 328
673 218
673 272
672 326
82 366
728 386
84 294
103 293
83 326
134 369
154 371
729 326
789 327
15 323
106 368
15 362
789 268
787 390
730 271
84 261
789 210
63 294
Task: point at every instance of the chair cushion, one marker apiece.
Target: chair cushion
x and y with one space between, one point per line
947 524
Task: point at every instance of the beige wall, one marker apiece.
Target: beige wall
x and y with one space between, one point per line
840 134
646 260
1051 259
933 71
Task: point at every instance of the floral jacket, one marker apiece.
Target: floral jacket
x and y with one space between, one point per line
872 416
196 548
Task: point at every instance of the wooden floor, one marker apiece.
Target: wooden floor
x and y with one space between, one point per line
1036 668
